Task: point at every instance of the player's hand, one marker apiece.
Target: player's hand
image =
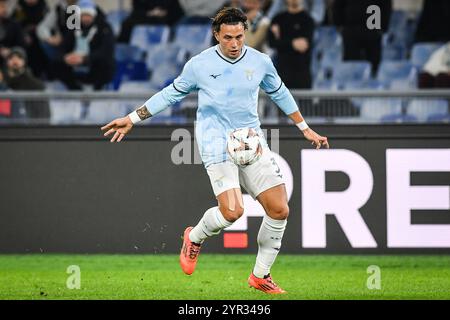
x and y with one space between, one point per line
316 139
120 126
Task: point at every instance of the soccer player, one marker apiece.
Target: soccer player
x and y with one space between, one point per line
228 77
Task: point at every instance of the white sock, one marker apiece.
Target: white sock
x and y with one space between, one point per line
211 224
269 243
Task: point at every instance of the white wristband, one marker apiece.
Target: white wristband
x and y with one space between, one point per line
134 117
302 125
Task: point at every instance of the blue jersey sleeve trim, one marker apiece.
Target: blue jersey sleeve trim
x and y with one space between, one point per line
183 92
276 89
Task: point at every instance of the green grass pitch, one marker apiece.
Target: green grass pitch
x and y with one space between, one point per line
43 276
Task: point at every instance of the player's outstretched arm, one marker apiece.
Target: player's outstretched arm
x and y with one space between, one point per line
316 139
121 126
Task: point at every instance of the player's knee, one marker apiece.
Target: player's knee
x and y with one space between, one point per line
232 215
279 212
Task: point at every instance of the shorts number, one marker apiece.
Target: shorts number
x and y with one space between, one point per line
277 171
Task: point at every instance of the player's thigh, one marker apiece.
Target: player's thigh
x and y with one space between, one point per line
261 175
224 179
264 182
275 202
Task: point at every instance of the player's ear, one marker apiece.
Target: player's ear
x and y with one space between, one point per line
216 35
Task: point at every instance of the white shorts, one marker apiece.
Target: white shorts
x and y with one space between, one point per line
255 178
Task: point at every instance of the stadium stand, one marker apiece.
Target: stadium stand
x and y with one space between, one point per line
421 52
397 74
156 54
424 109
377 109
192 37
148 36
115 19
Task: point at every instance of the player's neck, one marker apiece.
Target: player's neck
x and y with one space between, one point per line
228 58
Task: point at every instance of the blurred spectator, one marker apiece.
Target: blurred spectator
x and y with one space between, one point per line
11 33
328 18
434 22
52 29
29 13
315 8
88 54
150 12
361 43
5 104
291 34
3 85
19 77
436 72
258 25
199 11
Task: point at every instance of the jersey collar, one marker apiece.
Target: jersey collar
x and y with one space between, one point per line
232 61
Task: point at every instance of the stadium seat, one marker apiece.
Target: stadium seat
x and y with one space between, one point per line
351 71
129 71
402 27
397 20
392 49
326 38
423 109
55 86
166 54
323 84
445 118
115 19
102 111
327 47
421 52
128 53
135 86
374 109
163 75
65 111
370 84
331 57
397 70
194 38
130 65
398 118
148 36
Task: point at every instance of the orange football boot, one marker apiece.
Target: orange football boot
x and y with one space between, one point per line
189 253
265 284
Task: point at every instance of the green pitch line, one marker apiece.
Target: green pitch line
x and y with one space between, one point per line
43 276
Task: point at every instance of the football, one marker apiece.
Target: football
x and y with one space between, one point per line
244 146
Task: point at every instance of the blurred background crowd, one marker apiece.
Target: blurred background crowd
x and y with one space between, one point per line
139 45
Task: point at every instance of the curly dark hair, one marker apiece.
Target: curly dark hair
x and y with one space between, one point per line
229 15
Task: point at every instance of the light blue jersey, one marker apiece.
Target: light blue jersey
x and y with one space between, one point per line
227 96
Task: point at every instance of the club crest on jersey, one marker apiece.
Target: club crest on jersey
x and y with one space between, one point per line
249 74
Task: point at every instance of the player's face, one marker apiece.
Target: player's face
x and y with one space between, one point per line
231 39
